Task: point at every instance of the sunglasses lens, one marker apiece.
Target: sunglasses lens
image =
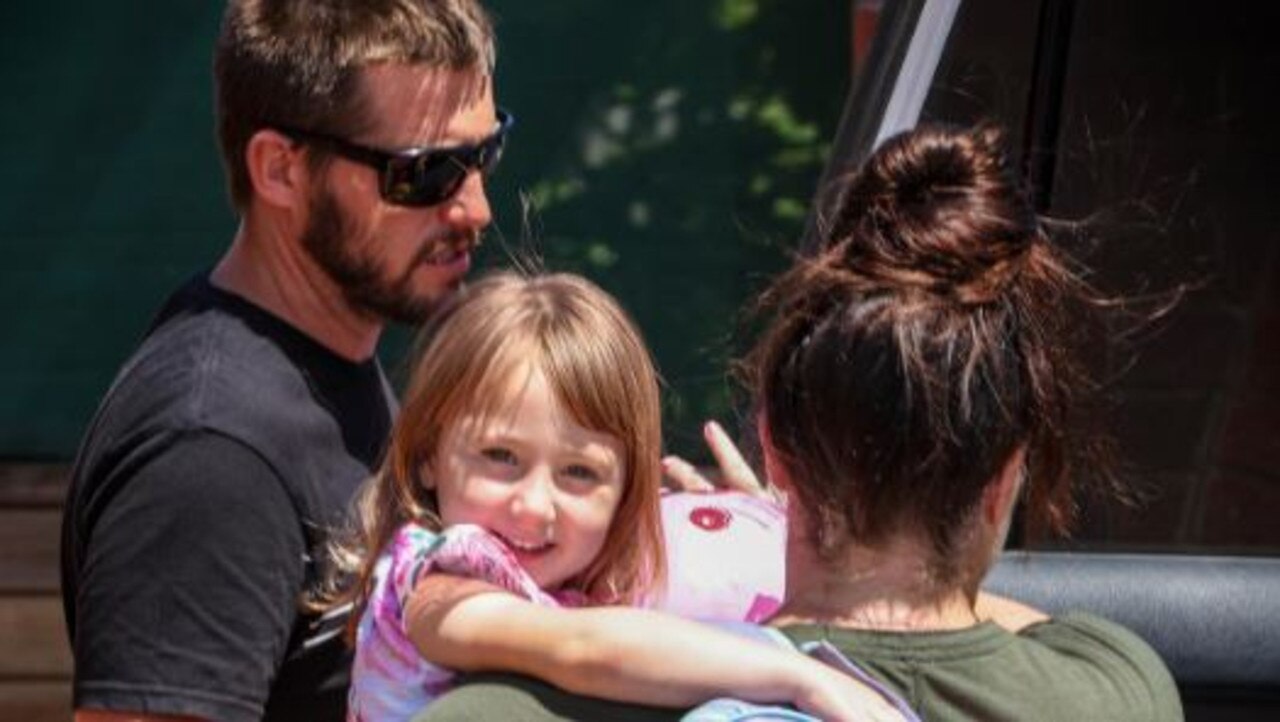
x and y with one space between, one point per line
433 177
422 181
489 153
440 174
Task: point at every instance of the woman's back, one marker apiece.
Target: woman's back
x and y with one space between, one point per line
1075 667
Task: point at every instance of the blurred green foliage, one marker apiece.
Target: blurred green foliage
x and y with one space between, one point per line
668 150
665 149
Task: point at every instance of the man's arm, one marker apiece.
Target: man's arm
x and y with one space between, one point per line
188 587
624 654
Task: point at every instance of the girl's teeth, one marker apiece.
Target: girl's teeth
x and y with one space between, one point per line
527 547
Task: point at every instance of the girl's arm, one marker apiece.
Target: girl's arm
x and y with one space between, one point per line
623 654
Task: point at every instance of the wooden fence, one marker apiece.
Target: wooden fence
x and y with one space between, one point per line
35 658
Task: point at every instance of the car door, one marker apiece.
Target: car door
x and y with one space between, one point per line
1144 128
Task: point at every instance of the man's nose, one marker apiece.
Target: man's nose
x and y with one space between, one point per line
469 208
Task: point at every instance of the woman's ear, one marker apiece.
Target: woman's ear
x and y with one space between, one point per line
775 474
1000 496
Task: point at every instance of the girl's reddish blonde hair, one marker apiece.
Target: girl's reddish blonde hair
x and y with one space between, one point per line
599 369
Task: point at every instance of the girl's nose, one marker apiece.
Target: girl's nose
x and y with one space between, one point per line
535 498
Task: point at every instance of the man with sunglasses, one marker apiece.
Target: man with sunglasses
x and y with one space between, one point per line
356 135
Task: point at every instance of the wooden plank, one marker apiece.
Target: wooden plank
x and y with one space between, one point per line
32 483
45 701
33 641
30 541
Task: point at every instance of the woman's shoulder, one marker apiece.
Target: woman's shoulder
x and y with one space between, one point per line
1090 636
1116 656
1073 667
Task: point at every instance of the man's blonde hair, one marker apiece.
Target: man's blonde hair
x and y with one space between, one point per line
298 63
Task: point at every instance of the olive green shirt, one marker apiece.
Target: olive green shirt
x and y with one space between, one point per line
1075 667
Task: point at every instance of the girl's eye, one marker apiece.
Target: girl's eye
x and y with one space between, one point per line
581 472
499 455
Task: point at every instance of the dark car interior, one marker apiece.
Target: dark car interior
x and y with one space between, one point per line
1146 126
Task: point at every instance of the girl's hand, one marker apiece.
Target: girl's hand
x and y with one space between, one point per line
832 695
735 473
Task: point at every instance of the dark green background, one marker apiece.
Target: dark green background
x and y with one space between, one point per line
665 149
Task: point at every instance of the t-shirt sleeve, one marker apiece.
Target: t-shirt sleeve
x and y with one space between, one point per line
1112 660
190 585
391 680
464 550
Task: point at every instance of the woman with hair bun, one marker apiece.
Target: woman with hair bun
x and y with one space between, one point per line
920 373
917 375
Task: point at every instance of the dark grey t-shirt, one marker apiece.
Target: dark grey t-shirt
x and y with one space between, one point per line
227 446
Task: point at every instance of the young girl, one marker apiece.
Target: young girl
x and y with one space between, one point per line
519 496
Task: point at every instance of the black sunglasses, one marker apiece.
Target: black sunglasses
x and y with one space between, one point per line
417 176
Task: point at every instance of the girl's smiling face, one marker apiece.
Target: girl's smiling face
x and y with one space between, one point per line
533 477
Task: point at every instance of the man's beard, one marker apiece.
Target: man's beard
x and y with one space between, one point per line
327 240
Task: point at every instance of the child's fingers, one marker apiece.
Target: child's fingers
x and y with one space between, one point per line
685 476
737 473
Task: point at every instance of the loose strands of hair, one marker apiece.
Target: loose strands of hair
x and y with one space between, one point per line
935 332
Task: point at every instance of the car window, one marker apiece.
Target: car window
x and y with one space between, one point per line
1166 137
1145 125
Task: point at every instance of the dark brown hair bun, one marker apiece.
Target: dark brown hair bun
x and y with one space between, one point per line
939 212
936 331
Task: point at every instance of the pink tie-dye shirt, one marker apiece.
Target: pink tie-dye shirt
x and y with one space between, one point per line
725 559
390 680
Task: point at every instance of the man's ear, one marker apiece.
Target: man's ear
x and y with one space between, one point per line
278 169
1002 493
